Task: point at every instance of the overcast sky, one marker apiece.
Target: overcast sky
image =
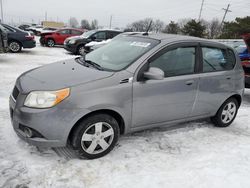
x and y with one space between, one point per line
122 11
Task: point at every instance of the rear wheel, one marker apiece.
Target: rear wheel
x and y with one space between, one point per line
15 46
95 136
50 43
226 114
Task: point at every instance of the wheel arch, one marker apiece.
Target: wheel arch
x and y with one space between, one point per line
14 40
237 97
112 113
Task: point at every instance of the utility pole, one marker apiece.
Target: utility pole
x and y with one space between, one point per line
46 16
110 22
223 19
202 3
1 4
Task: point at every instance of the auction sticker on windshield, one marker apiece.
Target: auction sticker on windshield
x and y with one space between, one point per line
140 44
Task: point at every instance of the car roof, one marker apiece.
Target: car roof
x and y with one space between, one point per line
171 38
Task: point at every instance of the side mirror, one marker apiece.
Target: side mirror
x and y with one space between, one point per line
154 73
93 38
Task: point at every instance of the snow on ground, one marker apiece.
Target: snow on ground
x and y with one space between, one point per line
194 154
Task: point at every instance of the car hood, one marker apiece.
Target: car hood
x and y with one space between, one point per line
59 75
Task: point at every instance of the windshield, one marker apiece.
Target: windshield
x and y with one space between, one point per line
2 28
121 52
88 34
241 49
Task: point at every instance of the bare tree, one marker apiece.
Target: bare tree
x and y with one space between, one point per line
73 22
85 24
94 24
140 26
158 26
213 28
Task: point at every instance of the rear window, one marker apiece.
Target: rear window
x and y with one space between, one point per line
216 59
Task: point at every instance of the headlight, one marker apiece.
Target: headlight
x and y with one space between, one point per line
72 42
46 99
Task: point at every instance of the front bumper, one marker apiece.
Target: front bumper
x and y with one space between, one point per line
29 44
52 124
70 48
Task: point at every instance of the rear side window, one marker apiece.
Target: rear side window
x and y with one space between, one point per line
64 32
180 61
111 35
216 59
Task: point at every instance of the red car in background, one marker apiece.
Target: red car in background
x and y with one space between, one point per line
58 37
245 59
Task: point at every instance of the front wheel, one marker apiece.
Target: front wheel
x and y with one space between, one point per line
226 114
50 43
80 50
95 136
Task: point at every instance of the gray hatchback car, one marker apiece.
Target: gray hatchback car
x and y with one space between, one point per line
133 83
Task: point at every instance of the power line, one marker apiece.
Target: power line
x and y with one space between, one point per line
201 9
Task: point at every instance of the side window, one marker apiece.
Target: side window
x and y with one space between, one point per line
100 35
215 59
179 61
75 32
231 58
111 35
64 32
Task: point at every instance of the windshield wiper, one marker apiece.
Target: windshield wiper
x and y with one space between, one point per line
91 63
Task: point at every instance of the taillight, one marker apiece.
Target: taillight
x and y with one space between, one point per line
29 37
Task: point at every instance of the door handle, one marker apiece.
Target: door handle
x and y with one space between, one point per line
229 78
189 82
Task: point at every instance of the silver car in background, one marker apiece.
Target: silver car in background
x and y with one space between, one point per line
135 82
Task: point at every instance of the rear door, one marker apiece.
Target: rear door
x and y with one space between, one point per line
216 79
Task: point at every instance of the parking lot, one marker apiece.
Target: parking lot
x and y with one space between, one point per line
194 154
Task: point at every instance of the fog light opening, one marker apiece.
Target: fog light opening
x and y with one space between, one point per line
28 132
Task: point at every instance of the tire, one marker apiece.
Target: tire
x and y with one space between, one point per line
80 50
15 46
42 41
50 43
226 114
95 136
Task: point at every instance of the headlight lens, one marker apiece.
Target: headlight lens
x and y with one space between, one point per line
72 42
46 99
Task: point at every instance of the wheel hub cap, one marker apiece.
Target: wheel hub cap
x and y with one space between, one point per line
228 112
97 138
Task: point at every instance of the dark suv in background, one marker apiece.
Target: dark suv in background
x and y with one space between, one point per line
76 44
3 39
18 39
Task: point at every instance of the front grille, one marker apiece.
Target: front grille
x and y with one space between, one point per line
15 92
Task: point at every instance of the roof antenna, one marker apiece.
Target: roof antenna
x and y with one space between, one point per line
146 33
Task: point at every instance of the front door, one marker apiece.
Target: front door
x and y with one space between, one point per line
62 35
159 101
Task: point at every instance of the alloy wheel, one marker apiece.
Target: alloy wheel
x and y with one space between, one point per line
228 112
97 138
50 43
14 47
